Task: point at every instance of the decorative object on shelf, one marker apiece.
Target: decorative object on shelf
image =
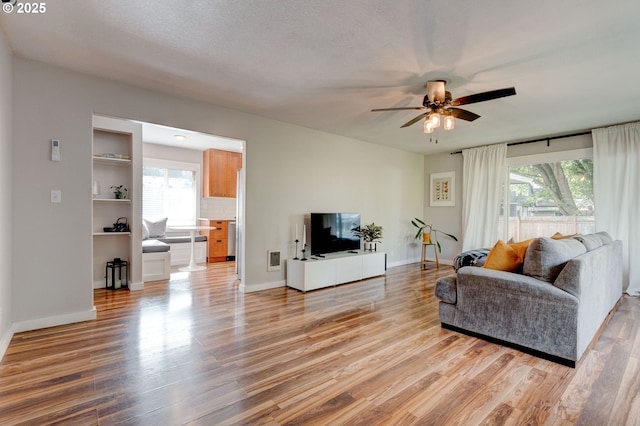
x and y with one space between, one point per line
119 265
304 242
121 225
296 241
429 234
95 190
442 189
371 234
120 192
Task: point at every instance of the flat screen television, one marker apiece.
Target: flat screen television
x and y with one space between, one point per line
333 232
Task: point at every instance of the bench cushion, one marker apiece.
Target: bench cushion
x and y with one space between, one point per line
154 246
183 239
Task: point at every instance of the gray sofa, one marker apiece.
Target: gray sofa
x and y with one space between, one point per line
553 309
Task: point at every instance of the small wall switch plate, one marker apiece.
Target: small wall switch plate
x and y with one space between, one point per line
56 196
55 150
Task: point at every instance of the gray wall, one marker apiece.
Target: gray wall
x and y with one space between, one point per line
290 171
6 216
449 219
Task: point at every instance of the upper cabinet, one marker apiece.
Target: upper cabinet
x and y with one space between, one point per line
220 173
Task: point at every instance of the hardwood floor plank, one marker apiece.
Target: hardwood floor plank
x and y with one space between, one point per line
194 350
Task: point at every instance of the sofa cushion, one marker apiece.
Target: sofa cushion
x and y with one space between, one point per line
446 289
546 257
604 236
157 229
590 241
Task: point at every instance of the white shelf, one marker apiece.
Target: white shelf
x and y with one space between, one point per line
123 162
112 200
97 234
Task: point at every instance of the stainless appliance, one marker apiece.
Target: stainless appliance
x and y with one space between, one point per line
231 242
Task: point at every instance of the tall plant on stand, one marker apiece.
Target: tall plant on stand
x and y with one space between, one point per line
429 234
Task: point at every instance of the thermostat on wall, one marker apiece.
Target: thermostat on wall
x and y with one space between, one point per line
55 150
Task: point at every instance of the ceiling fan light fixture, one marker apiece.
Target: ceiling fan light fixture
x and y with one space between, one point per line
428 127
435 120
449 122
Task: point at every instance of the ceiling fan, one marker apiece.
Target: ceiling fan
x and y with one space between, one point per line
439 103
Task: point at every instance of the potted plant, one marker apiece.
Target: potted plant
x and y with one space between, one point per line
429 234
371 234
120 192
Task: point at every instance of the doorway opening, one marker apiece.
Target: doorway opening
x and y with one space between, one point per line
176 184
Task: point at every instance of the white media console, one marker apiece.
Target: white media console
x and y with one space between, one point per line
334 269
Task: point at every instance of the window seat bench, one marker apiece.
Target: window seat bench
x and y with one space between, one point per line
159 254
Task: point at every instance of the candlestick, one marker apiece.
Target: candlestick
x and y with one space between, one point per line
297 241
304 235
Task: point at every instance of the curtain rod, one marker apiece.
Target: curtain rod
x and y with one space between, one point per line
548 139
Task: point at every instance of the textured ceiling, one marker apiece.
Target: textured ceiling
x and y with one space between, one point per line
325 64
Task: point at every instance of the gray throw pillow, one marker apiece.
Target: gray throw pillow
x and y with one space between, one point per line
156 229
546 257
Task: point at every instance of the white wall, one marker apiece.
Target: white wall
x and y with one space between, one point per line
449 219
290 171
6 216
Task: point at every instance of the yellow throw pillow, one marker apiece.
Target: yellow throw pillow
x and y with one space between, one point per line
521 247
559 236
503 257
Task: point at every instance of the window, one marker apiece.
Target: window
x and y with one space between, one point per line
170 189
550 193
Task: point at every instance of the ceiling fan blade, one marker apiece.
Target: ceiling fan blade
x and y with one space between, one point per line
399 109
415 120
463 114
484 96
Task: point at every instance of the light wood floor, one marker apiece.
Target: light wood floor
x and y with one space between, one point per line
196 351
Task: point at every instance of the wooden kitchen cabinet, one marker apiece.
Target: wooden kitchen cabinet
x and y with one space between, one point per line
217 240
220 173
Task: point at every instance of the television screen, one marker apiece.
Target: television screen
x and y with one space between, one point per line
333 232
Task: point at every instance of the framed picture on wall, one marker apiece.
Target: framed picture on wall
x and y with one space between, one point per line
442 189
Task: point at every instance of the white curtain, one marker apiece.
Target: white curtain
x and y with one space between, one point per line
616 188
482 178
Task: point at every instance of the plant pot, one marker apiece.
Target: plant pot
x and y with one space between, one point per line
426 238
370 246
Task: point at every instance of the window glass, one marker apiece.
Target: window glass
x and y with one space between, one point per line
171 192
550 197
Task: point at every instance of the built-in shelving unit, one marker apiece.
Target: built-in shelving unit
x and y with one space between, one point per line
117 149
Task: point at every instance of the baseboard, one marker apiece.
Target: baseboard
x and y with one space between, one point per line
53 321
5 340
262 286
136 286
448 262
